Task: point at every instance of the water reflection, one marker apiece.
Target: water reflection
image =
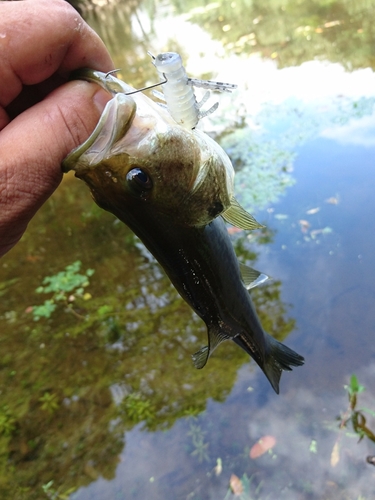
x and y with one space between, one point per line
121 359
80 397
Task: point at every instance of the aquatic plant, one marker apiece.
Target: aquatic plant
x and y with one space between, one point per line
53 494
243 489
354 416
260 162
7 422
200 447
136 408
65 286
49 402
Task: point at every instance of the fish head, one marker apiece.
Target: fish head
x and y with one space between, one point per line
138 154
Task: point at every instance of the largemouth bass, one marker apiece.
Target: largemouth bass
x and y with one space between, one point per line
170 186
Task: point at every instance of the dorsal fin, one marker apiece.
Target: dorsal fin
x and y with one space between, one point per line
237 216
251 277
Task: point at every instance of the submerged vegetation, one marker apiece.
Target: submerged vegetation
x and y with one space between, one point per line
120 359
356 417
65 286
98 375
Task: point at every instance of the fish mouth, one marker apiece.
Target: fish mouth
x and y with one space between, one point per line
127 124
192 175
114 123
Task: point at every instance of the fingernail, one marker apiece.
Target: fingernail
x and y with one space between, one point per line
100 99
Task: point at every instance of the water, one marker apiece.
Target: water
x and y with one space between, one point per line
101 397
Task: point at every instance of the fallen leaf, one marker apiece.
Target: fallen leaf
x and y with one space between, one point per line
304 225
234 230
281 216
312 447
235 484
219 467
332 200
330 24
33 258
313 211
314 233
264 444
335 455
29 309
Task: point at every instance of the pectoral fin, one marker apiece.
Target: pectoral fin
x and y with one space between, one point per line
251 277
215 337
237 216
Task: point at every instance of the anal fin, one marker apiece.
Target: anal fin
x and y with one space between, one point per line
200 357
251 277
215 337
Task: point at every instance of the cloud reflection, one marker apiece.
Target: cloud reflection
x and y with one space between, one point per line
300 417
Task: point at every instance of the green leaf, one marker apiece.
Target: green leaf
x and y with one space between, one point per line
355 387
367 410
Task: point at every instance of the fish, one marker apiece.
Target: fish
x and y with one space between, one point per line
173 187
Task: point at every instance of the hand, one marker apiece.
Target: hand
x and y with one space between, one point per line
42 115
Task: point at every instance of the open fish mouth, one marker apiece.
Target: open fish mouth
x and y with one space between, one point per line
192 175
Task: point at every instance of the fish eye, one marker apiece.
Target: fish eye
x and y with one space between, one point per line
139 180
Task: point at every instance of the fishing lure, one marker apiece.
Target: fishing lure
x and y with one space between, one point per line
178 90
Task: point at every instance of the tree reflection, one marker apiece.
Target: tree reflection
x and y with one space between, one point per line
291 32
71 388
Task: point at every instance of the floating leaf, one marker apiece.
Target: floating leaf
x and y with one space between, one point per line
33 258
264 444
304 225
335 455
313 211
313 446
325 230
219 467
330 24
332 200
235 484
281 216
234 230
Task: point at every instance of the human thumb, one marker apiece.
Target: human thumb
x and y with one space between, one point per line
33 146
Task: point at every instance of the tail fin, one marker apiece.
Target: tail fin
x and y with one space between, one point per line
279 358
273 358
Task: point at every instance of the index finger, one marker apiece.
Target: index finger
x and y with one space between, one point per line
41 37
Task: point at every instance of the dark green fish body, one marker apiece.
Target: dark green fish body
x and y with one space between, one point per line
198 257
203 267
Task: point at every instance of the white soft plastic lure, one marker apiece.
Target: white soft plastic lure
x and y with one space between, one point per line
178 90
